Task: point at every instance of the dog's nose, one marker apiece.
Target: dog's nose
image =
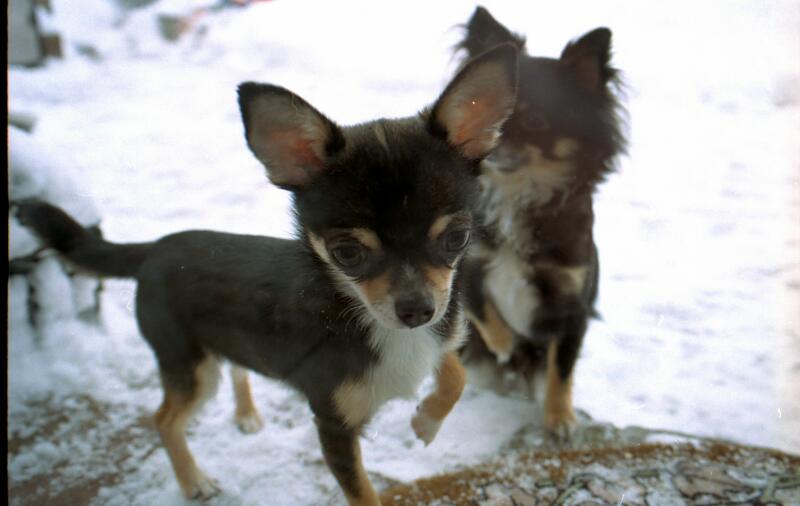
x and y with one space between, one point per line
415 309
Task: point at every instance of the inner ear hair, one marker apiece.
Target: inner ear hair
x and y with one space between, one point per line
472 109
286 134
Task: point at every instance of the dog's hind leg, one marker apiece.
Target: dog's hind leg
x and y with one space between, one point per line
184 392
450 379
342 453
247 418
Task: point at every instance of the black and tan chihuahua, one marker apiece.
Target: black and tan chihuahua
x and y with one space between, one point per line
359 309
532 286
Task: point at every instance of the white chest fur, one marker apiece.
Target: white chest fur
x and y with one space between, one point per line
507 285
506 195
406 357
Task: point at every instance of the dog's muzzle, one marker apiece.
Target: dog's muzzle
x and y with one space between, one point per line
414 309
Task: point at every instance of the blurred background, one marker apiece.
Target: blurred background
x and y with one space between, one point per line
130 112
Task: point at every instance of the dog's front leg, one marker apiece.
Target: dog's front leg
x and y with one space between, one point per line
483 314
563 317
342 453
494 331
181 399
450 379
559 414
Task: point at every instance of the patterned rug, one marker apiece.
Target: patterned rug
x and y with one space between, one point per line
684 471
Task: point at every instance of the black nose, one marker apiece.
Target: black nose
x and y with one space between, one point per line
415 309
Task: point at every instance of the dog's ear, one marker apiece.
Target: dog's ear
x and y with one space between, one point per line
483 32
588 58
472 109
291 138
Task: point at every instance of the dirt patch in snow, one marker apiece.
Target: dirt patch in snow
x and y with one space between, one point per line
70 448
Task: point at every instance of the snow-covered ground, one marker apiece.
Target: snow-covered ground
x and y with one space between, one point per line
699 232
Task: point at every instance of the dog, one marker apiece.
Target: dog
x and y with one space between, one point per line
357 310
531 285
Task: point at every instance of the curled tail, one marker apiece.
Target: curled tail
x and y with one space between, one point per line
79 245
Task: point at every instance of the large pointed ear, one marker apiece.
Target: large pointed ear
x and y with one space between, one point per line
472 109
483 32
291 138
588 58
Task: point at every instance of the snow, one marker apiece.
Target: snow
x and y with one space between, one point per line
36 172
698 232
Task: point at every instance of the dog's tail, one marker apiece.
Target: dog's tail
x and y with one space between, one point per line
83 247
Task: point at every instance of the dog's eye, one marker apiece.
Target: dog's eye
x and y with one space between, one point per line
456 240
348 255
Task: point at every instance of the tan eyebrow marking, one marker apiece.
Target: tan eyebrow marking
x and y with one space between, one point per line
441 223
565 148
366 237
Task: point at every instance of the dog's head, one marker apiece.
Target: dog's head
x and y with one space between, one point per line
566 121
387 205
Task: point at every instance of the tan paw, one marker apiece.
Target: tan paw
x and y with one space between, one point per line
249 423
425 427
503 356
502 351
560 424
201 487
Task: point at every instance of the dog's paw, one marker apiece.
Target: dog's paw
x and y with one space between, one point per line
501 350
201 486
503 356
425 427
560 424
249 423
